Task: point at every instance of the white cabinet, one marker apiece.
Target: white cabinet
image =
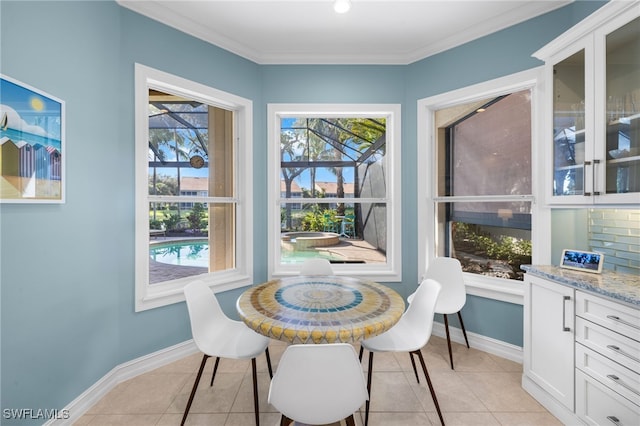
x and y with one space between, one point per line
607 361
592 128
581 354
549 345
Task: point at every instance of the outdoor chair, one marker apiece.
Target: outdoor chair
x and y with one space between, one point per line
328 224
350 225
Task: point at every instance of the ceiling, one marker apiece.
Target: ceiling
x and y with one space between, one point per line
311 32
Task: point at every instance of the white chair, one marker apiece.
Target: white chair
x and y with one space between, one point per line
318 384
316 266
448 272
410 334
217 335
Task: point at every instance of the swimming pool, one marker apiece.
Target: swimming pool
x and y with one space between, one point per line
289 257
196 253
181 253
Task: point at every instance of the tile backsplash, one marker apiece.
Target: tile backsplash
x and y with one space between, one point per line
616 233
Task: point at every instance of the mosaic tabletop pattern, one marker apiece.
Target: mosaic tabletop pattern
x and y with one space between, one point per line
320 309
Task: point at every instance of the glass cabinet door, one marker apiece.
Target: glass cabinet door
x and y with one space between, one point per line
569 125
623 109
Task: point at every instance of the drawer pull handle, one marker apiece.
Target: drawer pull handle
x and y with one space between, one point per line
613 419
621 352
621 321
622 383
564 316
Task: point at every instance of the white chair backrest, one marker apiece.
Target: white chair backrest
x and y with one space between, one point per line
318 384
448 272
205 313
316 266
419 315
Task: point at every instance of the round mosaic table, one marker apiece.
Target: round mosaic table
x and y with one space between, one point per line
320 309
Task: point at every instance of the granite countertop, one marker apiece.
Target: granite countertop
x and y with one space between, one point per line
613 285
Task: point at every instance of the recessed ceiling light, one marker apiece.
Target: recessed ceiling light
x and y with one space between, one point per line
342 6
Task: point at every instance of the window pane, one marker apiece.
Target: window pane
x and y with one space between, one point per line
319 230
333 158
188 239
191 154
487 151
179 244
484 151
491 239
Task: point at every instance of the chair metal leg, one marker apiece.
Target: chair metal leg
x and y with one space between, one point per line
369 374
446 327
360 353
433 392
284 420
413 363
266 352
215 368
255 390
195 387
350 421
463 330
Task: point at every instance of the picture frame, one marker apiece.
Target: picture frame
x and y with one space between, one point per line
584 261
32 144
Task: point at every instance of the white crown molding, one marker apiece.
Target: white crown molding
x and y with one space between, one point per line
162 12
586 26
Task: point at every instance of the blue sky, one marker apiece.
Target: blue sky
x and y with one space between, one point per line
30 112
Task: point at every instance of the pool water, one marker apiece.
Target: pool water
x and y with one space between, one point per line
196 253
289 257
182 253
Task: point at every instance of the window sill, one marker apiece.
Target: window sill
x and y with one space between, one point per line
163 294
510 291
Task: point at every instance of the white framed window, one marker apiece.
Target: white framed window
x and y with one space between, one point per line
478 188
350 154
193 182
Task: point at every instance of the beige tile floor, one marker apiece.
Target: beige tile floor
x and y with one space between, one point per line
482 390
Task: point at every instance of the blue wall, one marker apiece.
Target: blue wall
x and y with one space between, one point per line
67 271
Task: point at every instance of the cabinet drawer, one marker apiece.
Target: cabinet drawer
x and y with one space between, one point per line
597 405
613 375
614 316
614 346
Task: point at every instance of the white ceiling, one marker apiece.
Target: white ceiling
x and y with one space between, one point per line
310 32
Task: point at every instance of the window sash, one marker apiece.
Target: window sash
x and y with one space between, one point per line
149 296
428 200
391 270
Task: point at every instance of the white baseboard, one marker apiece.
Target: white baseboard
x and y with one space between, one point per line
483 343
128 370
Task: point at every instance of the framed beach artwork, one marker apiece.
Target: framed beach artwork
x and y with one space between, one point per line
32 157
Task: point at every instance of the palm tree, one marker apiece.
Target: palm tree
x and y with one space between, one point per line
290 151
